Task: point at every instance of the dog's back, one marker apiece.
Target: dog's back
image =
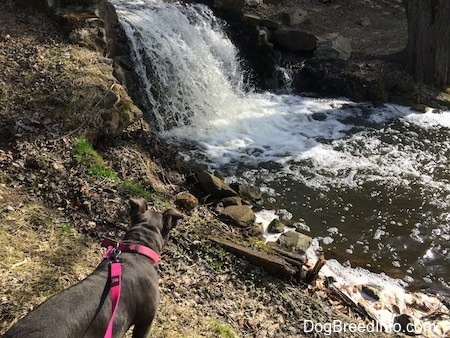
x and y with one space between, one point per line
84 309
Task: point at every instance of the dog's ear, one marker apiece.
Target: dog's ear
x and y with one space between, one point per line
170 220
137 206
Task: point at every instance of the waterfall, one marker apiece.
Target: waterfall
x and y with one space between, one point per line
189 69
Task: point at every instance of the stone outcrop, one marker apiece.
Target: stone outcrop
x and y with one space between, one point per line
214 185
94 24
276 226
239 215
186 200
295 241
295 40
334 48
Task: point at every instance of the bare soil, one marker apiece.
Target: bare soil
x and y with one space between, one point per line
373 27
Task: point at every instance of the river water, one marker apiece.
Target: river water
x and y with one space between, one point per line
371 183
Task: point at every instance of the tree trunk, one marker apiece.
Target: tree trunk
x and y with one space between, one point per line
428 48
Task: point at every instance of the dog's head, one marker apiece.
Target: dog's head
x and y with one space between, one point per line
164 222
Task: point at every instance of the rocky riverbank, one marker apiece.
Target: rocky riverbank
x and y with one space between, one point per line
73 149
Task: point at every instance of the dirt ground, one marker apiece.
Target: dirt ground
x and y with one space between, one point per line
373 27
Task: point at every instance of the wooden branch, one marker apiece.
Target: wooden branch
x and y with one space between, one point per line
312 274
272 264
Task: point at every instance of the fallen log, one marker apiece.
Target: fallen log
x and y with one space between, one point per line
274 265
291 257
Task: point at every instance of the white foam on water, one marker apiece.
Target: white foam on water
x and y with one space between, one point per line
285 130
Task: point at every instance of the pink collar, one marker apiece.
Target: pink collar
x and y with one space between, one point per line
128 247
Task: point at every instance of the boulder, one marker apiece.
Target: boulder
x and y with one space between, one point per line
276 226
253 3
249 192
295 241
229 5
215 186
186 200
117 115
295 40
240 215
335 48
232 200
294 17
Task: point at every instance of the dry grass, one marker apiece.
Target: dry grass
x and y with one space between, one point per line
183 320
41 255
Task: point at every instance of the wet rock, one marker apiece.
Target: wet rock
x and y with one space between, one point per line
257 21
264 40
295 241
372 291
284 214
335 48
240 215
405 321
295 40
229 5
232 200
276 226
215 186
186 200
249 193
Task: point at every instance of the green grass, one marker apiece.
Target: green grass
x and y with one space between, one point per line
222 330
85 153
136 189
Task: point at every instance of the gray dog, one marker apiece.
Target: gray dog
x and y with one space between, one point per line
84 310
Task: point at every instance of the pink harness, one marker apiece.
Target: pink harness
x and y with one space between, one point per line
115 270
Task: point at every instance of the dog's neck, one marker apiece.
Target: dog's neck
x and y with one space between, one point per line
145 234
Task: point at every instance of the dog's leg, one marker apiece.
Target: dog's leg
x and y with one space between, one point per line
141 331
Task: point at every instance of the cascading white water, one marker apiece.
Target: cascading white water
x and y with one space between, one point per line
372 181
190 69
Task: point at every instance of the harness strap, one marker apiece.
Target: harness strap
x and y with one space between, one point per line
132 247
115 271
116 279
